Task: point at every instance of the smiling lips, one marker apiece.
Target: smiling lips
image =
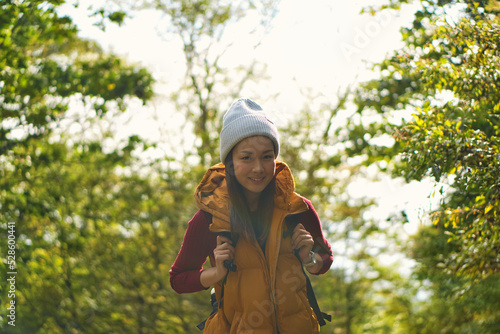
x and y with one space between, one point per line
257 180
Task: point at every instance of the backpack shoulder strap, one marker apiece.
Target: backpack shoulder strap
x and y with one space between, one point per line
291 222
208 216
213 300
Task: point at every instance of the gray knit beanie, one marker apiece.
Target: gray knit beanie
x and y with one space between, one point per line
244 119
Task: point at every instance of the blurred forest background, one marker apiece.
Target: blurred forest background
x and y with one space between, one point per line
98 225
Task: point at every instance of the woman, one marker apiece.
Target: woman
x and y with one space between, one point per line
257 232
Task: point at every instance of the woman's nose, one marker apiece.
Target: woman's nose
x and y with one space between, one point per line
258 166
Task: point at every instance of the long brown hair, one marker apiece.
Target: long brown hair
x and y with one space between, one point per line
243 223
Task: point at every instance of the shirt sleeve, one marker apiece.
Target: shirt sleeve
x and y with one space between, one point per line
312 223
197 245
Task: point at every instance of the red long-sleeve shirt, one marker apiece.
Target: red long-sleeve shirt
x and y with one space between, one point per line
199 243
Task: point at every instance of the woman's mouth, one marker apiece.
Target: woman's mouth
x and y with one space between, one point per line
257 180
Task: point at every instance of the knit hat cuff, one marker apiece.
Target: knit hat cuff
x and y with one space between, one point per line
255 124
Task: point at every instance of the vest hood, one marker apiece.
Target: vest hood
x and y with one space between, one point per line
211 194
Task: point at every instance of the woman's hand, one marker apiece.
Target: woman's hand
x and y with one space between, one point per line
303 241
223 252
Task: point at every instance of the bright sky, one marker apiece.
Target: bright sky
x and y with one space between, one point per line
324 45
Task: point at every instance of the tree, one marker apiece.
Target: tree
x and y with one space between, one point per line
95 245
43 63
452 303
447 77
210 85
438 98
53 188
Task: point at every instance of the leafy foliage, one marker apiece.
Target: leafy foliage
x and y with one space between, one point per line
74 213
454 304
97 229
95 246
209 85
43 63
449 77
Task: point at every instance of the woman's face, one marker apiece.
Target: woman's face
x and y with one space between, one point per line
254 164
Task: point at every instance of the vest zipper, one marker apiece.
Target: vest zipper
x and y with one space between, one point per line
273 299
276 268
263 257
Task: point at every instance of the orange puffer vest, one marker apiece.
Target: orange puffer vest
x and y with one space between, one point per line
267 293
